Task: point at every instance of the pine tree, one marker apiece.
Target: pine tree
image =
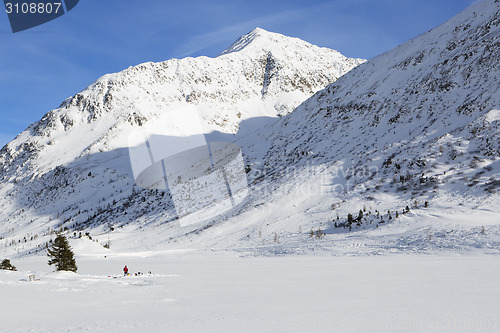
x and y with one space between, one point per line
61 254
349 219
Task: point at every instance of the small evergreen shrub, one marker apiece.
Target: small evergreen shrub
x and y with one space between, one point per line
6 265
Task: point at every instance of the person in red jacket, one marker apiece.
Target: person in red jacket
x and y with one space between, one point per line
125 270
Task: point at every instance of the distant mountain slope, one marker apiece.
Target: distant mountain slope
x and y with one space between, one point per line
407 144
417 127
271 76
72 167
401 154
426 111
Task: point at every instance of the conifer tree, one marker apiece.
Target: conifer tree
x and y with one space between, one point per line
61 255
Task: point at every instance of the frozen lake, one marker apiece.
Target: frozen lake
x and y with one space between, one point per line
191 291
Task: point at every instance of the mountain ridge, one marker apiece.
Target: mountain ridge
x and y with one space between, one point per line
398 155
72 166
408 141
423 115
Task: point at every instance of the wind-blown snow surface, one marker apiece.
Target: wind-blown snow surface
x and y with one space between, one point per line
203 292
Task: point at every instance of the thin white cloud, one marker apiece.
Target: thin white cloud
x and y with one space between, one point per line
208 39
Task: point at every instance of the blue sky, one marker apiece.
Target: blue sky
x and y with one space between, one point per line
42 66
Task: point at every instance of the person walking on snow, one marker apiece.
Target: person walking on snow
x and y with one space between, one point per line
125 270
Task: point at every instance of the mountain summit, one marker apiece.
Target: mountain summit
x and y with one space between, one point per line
72 167
260 40
256 38
401 153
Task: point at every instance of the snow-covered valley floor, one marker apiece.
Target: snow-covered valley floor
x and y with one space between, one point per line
193 291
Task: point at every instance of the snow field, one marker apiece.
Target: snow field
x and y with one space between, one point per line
191 291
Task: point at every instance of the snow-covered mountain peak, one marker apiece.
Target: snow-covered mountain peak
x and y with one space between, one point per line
58 163
225 90
415 127
258 39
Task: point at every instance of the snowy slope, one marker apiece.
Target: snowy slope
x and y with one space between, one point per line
423 110
73 165
411 139
416 128
417 124
270 77
407 143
